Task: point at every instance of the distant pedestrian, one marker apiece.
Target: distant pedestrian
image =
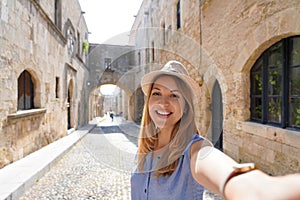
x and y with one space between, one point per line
111 114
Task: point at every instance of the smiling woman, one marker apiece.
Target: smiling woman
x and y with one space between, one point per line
174 161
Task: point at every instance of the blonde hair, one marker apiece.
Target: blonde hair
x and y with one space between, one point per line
181 135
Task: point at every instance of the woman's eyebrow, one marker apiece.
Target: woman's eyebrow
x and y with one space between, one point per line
155 88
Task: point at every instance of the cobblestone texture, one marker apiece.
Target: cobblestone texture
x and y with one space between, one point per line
97 167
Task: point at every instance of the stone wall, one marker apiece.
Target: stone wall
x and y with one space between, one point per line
220 41
234 35
30 40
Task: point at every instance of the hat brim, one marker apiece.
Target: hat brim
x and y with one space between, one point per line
149 79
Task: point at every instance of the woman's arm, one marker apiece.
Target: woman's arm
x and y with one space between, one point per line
212 170
258 185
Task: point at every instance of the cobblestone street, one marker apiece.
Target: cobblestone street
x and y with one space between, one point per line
97 167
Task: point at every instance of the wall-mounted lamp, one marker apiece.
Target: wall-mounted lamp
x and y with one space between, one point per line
82 12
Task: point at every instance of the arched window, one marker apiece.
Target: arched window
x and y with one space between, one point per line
275 85
25 91
70 42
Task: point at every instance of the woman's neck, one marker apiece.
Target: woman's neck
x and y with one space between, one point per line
164 137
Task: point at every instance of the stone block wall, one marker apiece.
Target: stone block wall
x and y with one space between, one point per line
235 34
220 41
30 40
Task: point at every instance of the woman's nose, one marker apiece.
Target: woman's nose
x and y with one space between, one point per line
164 100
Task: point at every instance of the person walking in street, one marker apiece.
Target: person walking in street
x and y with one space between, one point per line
111 114
175 162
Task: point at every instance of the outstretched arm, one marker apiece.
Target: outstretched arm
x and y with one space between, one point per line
212 170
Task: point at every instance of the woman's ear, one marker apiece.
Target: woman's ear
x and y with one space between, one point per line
185 111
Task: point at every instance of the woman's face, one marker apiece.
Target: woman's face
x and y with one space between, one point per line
166 103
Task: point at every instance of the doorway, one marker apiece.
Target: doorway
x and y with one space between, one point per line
217 117
70 105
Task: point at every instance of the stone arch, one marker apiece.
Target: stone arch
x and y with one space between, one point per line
127 81
138 99
272 30
210 77
130 99
95 101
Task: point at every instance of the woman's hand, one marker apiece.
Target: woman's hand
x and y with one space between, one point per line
212 170
256 185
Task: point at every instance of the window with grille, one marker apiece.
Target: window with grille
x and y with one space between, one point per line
275 85
25 91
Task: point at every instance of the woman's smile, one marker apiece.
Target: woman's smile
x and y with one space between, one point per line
163 114
166 103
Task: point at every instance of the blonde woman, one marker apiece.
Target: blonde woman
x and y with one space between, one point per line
175 162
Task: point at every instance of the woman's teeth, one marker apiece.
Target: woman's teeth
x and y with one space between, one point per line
163 113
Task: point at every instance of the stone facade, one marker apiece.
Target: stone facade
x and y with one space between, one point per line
219 41
47 89
43 74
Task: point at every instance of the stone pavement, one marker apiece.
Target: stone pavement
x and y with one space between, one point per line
97 167
22 174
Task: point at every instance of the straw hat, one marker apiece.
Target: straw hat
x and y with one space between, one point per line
173 68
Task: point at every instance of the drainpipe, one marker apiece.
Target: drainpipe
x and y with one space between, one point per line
200 40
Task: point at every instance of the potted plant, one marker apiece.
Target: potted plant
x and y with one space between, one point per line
85 45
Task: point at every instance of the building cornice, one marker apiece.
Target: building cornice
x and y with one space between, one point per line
50 23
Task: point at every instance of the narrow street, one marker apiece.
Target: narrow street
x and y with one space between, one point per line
97 167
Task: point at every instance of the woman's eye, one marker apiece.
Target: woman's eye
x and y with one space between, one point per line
175 96
155 93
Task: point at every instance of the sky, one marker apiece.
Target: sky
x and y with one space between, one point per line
109 21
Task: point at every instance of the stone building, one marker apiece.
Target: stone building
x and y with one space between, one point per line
96 104
115 64
43 46
246 57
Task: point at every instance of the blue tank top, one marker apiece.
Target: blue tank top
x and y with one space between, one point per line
180 185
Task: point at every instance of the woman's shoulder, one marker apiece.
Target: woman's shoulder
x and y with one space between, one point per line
200 143
195 138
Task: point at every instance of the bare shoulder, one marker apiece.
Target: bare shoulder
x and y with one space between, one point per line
201 148
196 146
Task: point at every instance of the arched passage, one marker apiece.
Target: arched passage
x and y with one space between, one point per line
113 64
124 103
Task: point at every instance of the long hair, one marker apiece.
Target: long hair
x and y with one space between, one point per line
181 135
